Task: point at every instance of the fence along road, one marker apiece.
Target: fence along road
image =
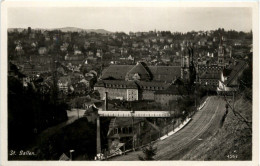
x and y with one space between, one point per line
136 114
204 123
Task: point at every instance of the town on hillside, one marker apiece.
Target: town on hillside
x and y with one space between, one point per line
100 95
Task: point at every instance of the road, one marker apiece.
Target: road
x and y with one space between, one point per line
203 124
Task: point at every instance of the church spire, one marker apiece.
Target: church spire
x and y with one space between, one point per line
221 53
220 40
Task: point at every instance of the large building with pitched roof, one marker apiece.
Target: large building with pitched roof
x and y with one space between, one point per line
140 81
146 73
136 82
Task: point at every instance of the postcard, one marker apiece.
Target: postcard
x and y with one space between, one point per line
172 83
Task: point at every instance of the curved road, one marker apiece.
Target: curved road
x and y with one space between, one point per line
203 124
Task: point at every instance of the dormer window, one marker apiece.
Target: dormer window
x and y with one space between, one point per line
136 76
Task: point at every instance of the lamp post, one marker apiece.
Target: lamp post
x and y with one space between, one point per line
71 151
183 113
78 108
195 93
207 88
226 109
132 115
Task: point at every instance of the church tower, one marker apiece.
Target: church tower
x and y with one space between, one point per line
188 71
185 63
221 54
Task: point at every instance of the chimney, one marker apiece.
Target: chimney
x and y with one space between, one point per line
98 136
106 103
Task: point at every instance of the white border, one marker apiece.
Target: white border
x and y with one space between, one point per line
3 63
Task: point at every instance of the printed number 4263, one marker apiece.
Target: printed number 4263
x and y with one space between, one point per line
232 156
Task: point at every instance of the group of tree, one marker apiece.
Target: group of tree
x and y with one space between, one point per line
246 79
79 136
149 152
29 113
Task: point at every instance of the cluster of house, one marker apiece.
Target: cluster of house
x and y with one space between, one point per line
151 66
153 47
160 83
68 81
77 83
143 82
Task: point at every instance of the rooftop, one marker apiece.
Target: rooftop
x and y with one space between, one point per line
238 66
158 73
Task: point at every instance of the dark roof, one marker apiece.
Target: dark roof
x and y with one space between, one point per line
178 81
238 66
159 73
100 84
226 72
141 70
174 90
116 71
120 122
208 75
146 85
165 73
120 84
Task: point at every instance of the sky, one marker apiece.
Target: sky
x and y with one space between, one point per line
134 19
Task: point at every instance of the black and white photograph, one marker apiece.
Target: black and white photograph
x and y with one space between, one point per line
130 83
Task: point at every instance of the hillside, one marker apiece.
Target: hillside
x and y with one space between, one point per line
231 142
66 29
74 29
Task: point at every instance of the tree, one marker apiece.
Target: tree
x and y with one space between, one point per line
23 118
29 30
149 153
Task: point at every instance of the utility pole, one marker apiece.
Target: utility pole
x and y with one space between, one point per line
233 100
132 114
98 136
207 89
195 93
98 127
77 108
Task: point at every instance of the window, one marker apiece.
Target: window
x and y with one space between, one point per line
130 129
